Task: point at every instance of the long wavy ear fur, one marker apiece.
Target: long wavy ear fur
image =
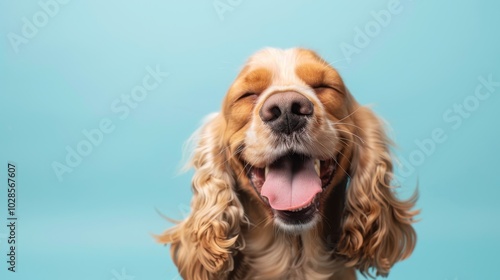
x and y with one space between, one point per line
202 245
377 227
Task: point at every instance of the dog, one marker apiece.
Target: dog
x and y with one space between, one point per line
292 181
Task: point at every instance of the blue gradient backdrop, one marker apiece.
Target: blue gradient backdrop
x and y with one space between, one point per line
96 222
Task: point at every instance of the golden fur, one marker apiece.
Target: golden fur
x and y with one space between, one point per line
231 232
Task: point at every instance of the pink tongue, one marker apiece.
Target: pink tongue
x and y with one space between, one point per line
291 183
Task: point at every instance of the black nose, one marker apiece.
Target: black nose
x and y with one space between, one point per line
286 112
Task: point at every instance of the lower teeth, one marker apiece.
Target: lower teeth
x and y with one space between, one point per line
299 209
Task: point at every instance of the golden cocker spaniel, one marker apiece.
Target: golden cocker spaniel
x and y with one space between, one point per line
292 181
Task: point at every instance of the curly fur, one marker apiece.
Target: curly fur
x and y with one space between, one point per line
203 244
377 229
231 233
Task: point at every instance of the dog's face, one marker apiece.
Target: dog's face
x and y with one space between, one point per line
289 127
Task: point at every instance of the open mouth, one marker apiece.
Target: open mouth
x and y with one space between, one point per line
292 184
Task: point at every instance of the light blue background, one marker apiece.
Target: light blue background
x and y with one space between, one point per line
97 222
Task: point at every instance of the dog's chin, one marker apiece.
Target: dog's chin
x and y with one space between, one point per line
298 221
299 217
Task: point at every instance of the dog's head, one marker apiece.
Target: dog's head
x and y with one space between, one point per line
290 133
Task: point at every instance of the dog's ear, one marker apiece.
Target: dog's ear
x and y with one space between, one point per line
203 244
377 227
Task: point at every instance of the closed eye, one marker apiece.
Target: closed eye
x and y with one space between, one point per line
247 95
321 88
